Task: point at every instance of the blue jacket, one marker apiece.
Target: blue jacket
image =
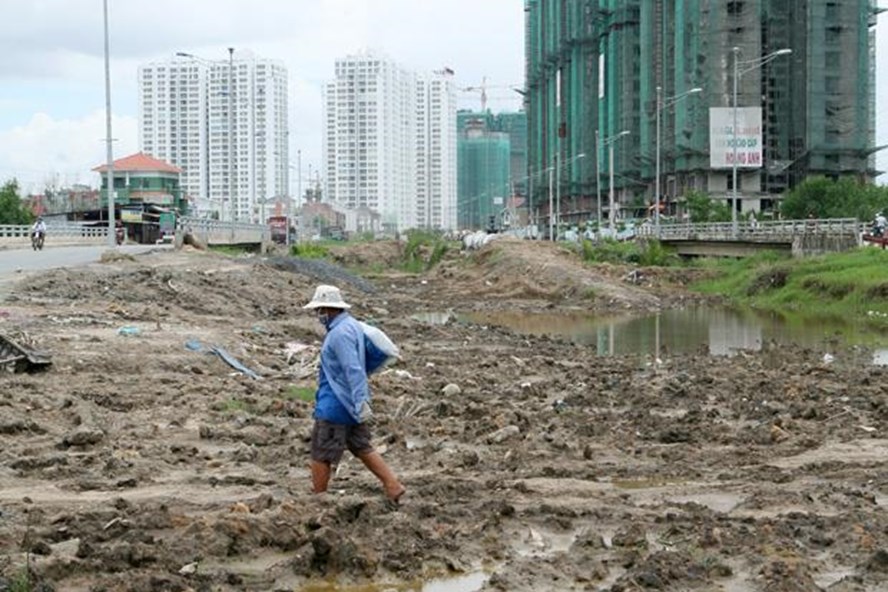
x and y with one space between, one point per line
342 376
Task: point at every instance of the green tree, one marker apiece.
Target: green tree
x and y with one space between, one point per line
703 208
843 198
12 211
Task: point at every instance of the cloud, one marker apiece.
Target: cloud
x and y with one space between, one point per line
62 151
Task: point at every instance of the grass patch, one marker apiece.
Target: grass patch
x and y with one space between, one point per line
234 406
21 582
423 251
232 250
300 393
850 285
646 253
310 251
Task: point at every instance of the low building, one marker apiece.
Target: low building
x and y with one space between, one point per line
147 195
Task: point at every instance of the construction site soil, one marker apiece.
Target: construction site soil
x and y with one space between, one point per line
143 460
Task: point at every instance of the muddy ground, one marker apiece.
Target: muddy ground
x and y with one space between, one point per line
140 460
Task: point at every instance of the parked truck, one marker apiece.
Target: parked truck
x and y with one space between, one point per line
278 226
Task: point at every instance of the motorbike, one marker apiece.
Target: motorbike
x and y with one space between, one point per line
37 239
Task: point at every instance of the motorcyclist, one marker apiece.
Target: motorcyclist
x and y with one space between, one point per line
879 224
119 232
39 227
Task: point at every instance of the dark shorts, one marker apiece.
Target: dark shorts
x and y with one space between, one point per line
329 441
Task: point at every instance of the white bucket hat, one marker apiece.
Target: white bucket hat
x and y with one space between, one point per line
327 297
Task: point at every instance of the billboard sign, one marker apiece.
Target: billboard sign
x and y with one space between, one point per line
748 137
131 216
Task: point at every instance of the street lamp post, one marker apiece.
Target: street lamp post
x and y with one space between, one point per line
741 68
609 142
299 183
598 181
661 105
551 210
557 195
556 217
108 140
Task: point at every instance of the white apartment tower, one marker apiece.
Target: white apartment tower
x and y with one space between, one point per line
187 117
389 142
436 150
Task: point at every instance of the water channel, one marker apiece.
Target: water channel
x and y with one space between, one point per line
718 331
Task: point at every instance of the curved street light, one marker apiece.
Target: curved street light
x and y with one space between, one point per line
741 67
663 104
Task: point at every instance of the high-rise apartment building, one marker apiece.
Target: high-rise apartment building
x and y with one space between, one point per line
226 143
390 142
594 67
436 150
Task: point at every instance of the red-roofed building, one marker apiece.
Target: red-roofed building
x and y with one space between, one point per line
142 180
147 196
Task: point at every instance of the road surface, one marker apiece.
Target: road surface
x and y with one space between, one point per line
14 262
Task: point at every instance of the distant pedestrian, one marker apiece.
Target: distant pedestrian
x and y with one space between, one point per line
343 397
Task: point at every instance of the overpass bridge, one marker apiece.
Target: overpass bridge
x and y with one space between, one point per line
721 239
210 232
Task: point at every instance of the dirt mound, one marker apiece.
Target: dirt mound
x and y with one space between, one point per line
512 269
376 255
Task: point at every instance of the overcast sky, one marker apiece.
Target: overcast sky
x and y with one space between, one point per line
52 98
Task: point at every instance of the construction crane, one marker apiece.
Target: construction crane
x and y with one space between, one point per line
482 88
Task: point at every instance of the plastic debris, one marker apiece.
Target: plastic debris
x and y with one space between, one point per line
129 331
196 346
233 362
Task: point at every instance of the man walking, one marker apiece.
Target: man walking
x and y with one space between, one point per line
342 398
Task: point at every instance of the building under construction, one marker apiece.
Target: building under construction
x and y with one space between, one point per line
594 67
491 167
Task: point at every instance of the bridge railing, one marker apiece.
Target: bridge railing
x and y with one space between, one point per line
764 230
216 232
69 233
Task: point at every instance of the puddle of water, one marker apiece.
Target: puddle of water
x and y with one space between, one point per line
644 483
722 332
856 451
826 579
722 503
249 568
433 318
467 583
541 543
716 501
471 582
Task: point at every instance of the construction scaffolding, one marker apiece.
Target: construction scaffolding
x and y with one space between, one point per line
594 66
484 172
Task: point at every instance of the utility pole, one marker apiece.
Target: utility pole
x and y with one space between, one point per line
598 181
108 140
299 186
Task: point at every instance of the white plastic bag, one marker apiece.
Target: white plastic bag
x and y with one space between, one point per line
380 350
